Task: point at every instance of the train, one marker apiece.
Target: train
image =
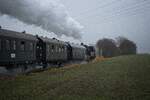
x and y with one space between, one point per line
23 49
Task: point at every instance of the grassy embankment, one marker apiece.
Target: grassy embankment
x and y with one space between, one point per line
119 78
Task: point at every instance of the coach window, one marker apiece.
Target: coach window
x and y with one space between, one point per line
14 45
48 48
0 44
65 48
62 48
56 48
7 44
22 47
31 46
59 49
53 48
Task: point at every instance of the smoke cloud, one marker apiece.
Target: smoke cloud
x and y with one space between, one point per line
50 15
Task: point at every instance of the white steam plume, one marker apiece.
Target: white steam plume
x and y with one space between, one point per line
47 14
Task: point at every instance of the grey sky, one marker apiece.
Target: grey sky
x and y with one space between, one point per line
101 18
112 18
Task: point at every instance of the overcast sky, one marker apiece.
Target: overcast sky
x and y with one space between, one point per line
99 19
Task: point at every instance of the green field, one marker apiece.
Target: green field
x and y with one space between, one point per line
118 78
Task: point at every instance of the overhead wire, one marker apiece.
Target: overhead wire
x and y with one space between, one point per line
134 9
100 6
104 7
125 10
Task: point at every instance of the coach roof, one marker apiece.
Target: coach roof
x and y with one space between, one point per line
55 41
13 34
77 46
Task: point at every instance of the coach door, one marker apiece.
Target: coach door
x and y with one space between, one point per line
39 52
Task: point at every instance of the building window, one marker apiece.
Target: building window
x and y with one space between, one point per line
14 45
22 46
7 44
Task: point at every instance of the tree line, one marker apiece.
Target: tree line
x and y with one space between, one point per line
120 46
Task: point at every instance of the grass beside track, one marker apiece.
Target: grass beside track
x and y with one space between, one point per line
118 78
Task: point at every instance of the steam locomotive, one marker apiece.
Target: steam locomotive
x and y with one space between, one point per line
22 49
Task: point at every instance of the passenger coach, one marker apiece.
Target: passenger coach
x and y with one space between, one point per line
17 48
21 49
51 51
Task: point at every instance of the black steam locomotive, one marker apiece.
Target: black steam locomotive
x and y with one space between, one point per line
21 49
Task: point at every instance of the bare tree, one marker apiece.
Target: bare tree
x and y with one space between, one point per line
126 46
107 48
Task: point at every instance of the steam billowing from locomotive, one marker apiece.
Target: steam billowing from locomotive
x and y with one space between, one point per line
50 15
